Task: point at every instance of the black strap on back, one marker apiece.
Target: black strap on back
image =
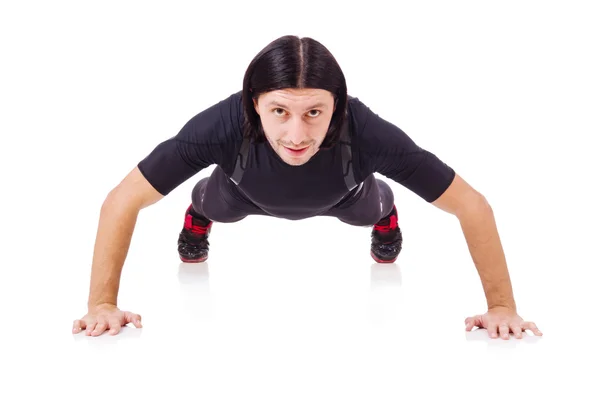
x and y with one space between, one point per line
346 149
241 162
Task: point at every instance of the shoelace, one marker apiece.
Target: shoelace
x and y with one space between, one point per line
392 224
197 229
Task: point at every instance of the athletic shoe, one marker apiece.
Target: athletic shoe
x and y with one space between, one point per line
386 239
193 238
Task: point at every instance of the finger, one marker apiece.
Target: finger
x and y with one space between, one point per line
475 321
469 323
532 327
89 327
492 329
133 318
115 326
78 325
504 331
516 329
100 327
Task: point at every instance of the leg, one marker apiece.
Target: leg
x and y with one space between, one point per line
217 199
373 202
373 205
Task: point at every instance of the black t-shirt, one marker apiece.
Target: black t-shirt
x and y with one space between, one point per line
214 136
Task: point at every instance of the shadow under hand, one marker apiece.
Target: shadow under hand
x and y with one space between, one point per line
481 335
125 335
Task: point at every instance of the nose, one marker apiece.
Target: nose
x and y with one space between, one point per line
298 133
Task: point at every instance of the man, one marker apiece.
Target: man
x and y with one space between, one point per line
293 144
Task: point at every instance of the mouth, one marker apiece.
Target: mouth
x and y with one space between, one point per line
295 152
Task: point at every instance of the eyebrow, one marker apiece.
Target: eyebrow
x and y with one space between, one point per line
281 105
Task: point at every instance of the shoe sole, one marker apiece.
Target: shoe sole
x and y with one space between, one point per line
187 260
378 260
193 260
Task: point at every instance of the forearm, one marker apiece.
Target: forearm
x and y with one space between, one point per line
479 228
115 229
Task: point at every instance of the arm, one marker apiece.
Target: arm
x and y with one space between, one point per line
477 221
479 227
387 149
117 221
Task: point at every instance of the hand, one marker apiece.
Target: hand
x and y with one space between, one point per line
504 319
103 317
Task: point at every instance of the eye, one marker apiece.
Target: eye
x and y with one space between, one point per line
278 114
314 110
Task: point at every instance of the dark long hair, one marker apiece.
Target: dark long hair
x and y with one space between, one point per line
294 62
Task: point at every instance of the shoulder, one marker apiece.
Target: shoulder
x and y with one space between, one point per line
356 110
370 130
220 122
374 135
360 116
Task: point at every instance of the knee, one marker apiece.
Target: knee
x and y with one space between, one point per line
385 191
199 189
220 211
371 218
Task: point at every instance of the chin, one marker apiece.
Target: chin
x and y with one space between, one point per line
295 160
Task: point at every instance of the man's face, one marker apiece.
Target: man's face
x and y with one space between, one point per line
295 121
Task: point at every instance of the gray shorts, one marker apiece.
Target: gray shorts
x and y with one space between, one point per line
218 199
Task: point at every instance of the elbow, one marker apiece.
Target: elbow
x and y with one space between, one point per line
119 198
475 204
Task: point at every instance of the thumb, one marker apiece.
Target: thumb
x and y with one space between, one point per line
478 321
133 318
475 321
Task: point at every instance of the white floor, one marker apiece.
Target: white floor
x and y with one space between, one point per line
507 95
299 308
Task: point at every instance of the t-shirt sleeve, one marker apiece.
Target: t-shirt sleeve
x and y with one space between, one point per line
207 138
384 148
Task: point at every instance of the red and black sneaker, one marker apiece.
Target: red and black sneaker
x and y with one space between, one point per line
386 239
193 238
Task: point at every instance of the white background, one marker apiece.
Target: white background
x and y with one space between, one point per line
504 92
